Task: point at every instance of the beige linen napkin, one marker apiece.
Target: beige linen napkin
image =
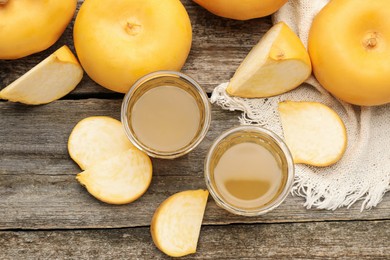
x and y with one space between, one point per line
364 171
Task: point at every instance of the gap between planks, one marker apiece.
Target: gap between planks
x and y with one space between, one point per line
203 225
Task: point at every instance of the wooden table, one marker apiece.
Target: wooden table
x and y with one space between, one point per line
46 214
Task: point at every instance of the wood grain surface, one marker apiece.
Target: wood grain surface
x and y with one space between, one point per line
46 214
339 240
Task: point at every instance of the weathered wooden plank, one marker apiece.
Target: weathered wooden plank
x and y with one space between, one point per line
218 47
59 202
37 130
334 240
38 189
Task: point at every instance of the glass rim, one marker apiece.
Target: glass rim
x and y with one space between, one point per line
197 139
274 203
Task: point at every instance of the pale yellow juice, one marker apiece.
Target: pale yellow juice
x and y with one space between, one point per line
248 175
166 118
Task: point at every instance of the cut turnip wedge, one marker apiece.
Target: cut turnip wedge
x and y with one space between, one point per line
95 139
120 179
176 224
51 79
314 133
277 64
